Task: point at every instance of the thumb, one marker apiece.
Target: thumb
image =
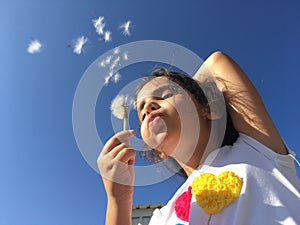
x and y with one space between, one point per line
124 136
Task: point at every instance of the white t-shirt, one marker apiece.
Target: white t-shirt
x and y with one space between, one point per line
270 192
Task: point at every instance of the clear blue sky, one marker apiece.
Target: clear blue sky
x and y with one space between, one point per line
43 176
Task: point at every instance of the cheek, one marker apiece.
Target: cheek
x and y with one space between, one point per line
144 133
183 104
187 114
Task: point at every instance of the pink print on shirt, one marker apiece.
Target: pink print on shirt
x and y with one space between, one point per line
182 205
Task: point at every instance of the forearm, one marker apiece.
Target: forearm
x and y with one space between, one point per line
118 212
245 105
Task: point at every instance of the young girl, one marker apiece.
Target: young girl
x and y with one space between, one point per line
252 181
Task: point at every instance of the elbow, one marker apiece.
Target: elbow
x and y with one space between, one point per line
217 55
216 58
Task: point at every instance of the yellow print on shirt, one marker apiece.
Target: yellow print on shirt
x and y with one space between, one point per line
213 193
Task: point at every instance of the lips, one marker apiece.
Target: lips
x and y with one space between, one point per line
154 121
152 117
156 124
155 130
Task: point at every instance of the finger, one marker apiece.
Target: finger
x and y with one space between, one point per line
126 155
115 151
121 137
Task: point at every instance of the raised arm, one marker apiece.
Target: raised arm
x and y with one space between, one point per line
245 106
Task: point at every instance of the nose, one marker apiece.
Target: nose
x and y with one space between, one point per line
149 107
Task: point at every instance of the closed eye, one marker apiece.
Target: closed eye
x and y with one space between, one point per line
168 95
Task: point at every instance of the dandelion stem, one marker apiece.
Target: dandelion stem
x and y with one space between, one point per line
124 124
125 117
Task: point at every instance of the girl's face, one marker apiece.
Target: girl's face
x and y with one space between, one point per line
165 110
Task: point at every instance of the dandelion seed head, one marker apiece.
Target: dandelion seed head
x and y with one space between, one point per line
120 104
118 107
34 47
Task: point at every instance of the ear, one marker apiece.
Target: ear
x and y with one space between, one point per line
216 112
214 116
162 155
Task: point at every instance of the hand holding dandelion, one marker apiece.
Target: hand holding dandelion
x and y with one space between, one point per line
119 107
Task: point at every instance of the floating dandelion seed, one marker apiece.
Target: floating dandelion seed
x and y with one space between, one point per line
79 43
106 80
102 63
99 25
108 59
112 66
34 46
126 26
116 51
116 77
107 36
119 107
117 60
98 22
100 30
110 73
113 61
125 56
112 76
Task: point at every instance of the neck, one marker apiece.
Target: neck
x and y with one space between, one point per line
188 169
204 148
195 160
